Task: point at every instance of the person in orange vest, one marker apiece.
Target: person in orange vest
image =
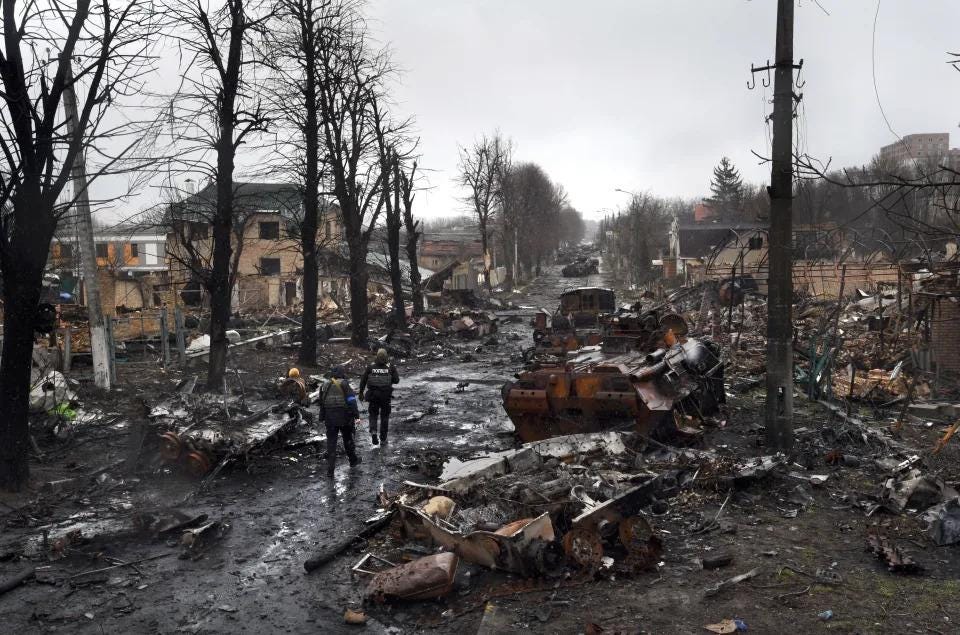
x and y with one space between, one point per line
294 386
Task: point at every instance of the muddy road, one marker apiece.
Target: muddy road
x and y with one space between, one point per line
280 510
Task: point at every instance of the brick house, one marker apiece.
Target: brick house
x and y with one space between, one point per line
439 250
132 262
266 232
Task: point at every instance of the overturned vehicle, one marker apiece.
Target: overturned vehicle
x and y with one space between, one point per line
598 391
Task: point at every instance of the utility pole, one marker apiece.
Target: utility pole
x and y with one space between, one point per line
88 253
779 405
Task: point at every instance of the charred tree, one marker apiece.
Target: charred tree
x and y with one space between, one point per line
351 90
223 111
38 153
393 213
298 42
404 183
481 167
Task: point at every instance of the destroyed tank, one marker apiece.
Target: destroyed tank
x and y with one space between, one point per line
600 390
588 316
575 323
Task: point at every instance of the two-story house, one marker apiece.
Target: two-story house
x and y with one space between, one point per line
132 264
266 243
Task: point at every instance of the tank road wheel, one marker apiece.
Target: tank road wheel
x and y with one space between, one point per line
170 446
583 547
198 463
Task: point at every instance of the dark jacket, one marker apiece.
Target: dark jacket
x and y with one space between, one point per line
338 403
378 380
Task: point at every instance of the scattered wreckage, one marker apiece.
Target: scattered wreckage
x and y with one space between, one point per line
203 433
581 267
597 391
588 316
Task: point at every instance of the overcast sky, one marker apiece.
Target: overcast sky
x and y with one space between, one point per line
647 95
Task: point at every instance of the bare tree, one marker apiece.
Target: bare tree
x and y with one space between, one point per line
481 167
404 183
302 27
531 206
109 48
354 80
219 109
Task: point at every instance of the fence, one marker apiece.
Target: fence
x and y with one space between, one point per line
144 338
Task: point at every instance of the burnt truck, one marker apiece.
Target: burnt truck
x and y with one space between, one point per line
599 391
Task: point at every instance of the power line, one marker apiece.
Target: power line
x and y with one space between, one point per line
873 71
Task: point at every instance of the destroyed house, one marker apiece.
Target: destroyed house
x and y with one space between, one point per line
266 232
437 251
132 264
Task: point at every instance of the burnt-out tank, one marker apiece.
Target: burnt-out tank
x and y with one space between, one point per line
588 317
599 391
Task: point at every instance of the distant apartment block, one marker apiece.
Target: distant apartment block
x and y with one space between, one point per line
928 147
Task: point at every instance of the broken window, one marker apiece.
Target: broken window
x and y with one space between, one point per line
102 250
198 231
270 230
270 266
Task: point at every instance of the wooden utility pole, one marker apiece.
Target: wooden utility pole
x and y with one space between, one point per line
99 347
779 406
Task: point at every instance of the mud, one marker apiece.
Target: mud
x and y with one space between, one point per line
281 509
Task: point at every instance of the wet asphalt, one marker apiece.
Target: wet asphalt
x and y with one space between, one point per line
283 508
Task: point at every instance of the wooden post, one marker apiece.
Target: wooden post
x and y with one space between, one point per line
164 338
67 348
181 344
112 349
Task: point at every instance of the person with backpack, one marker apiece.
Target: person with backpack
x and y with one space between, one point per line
378 380
338 410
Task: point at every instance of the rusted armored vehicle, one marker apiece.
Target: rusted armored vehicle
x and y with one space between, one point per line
588 316
576 322
599 391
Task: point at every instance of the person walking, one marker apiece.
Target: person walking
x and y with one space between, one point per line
379 379
338 410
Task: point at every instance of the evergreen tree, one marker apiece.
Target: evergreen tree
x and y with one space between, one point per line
727 189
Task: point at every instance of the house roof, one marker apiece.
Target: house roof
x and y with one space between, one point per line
247 197
451 248
698 240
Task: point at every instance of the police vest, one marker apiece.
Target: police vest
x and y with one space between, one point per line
380 377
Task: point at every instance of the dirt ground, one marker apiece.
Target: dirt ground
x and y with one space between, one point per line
808 543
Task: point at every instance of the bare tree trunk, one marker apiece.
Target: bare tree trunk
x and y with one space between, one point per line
219 282
308 230
416 285
404 184
308 336
23 276
359 328
484 243
396 275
